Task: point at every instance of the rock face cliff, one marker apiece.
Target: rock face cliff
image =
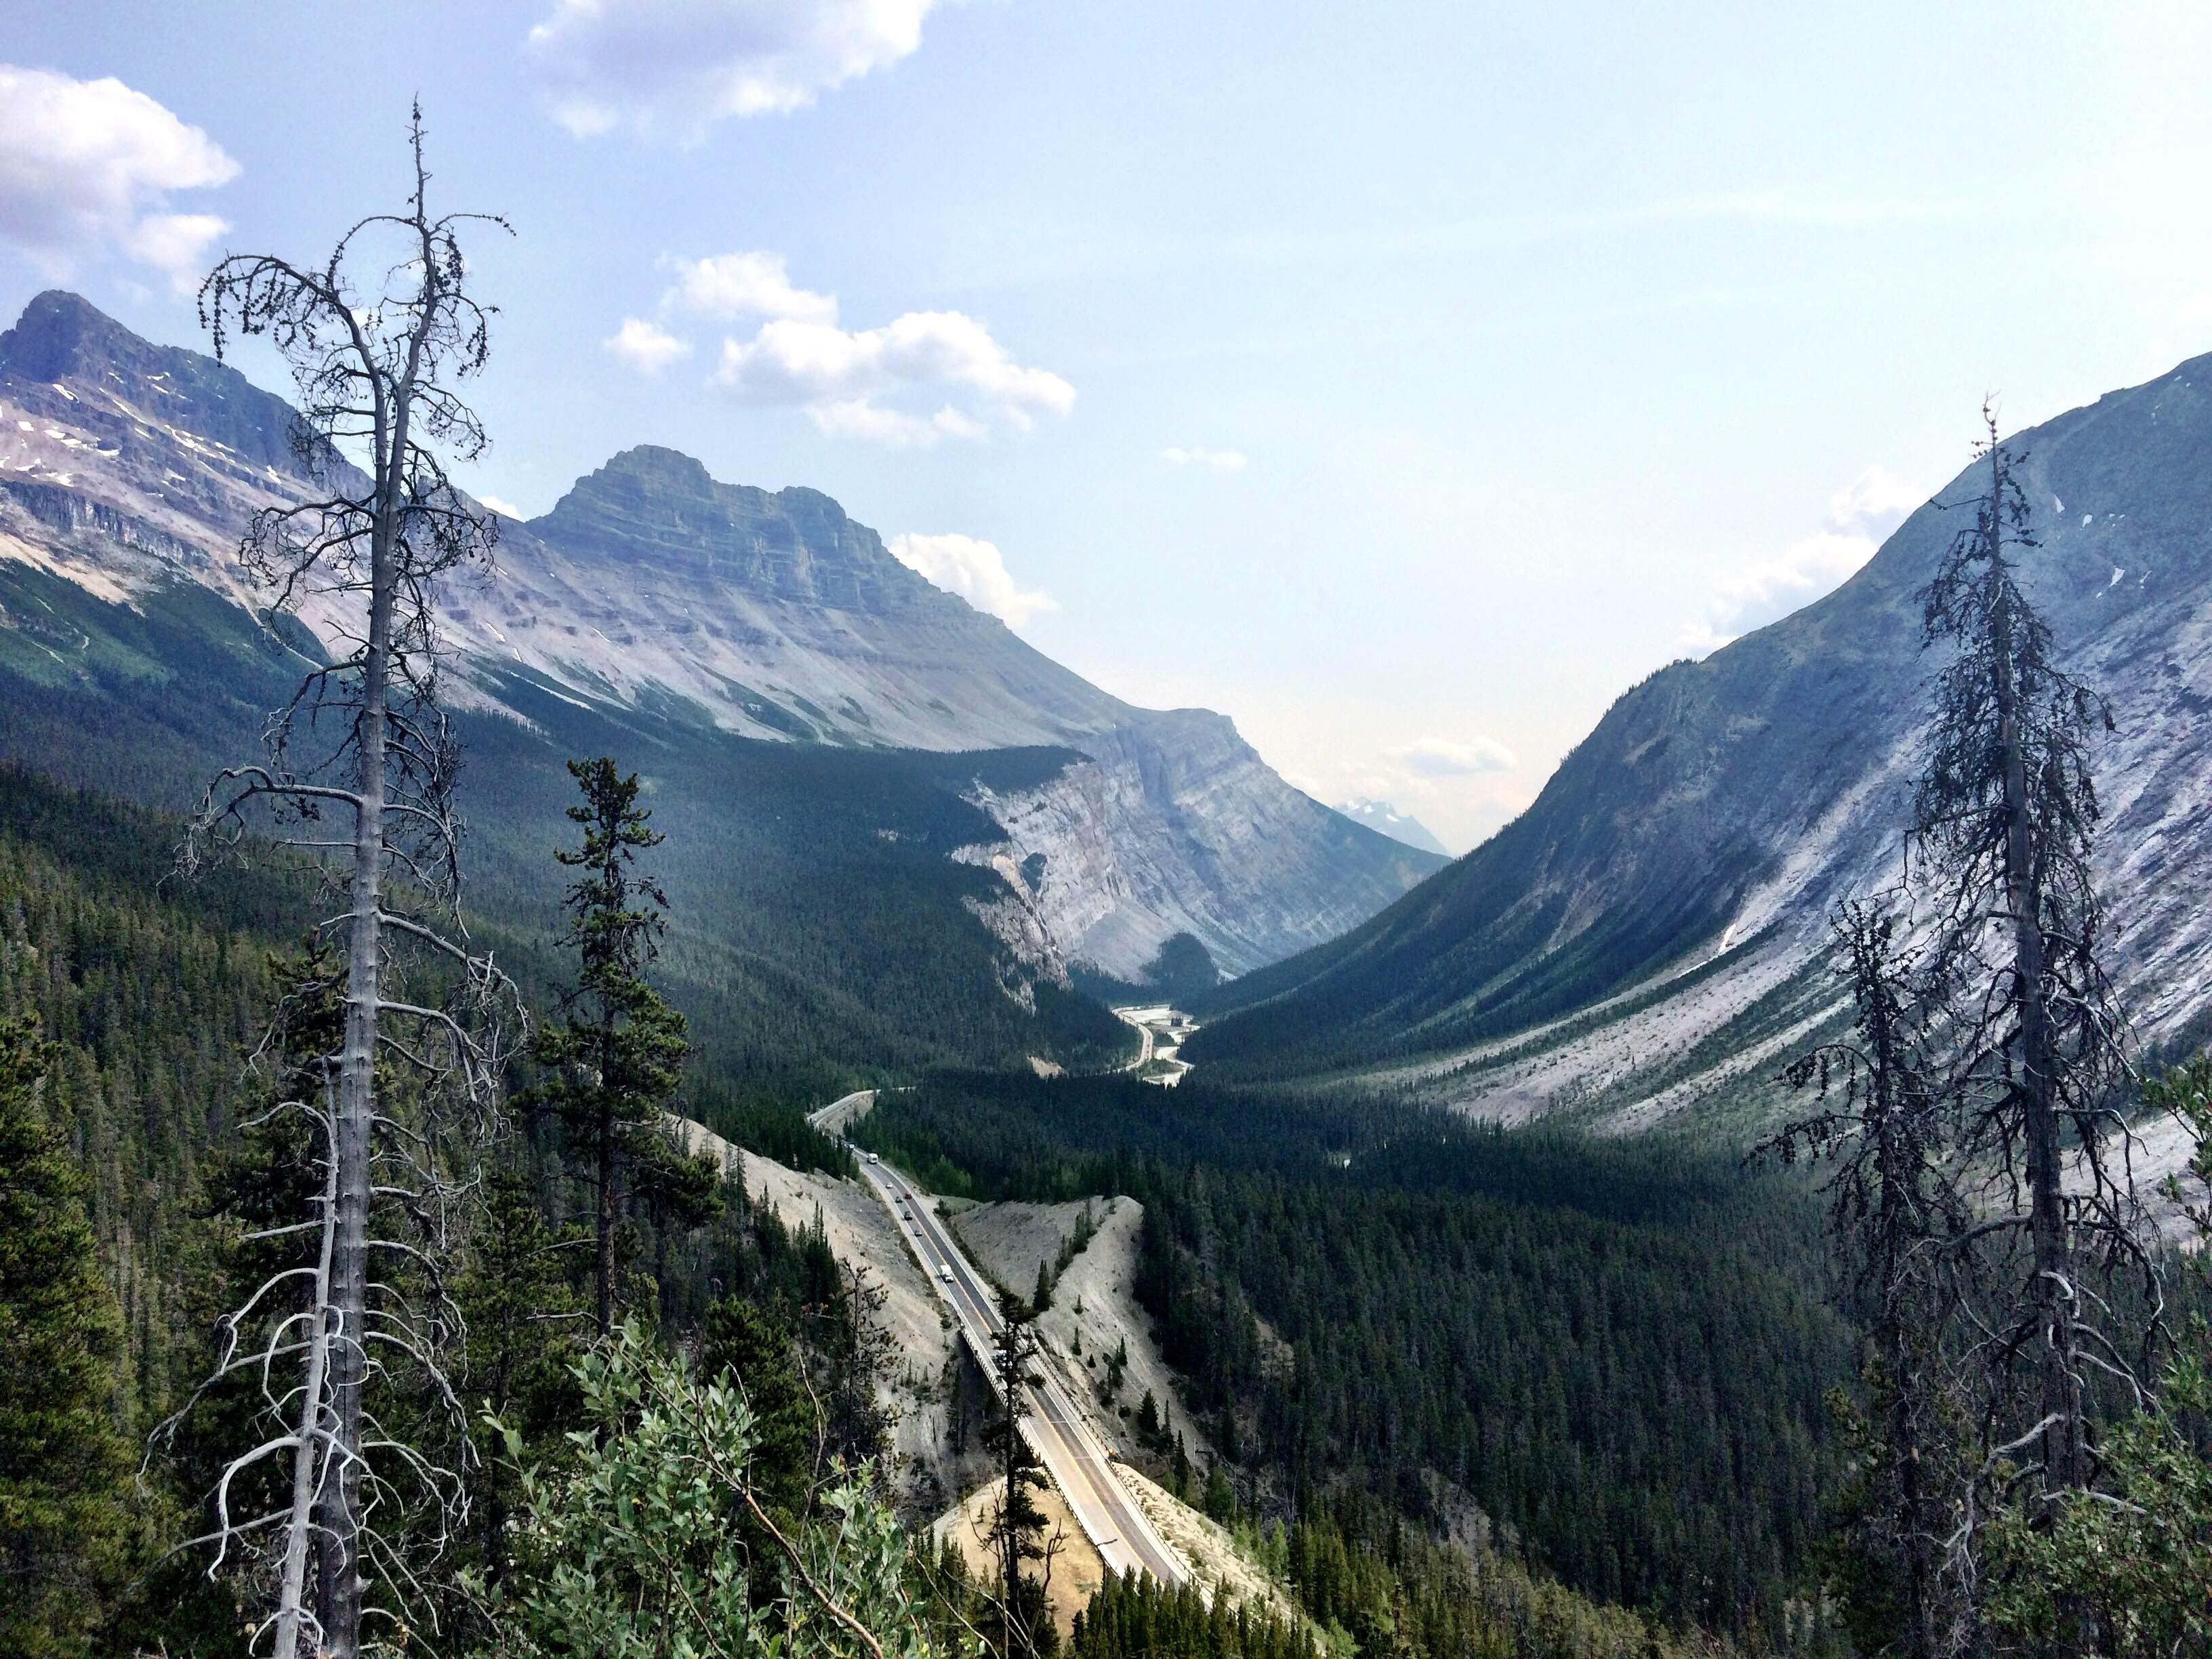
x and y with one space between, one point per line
1644 940
775 611
653 590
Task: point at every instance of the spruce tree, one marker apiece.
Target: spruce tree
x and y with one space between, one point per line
1015 1528
523 1315
854 1351
615 1058
746 1348
65 1469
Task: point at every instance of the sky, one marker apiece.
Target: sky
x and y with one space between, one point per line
1405 380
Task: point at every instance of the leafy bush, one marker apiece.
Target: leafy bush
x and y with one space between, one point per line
636 1546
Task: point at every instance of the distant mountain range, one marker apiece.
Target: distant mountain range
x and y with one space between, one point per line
1399 826
692 621
1646 941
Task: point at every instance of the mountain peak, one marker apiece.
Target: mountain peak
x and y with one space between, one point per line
652 506
61 334
64 336
658 467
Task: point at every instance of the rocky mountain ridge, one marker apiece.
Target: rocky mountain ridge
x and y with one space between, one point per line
653 590
1646 939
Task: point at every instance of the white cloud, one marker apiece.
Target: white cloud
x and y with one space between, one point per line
1766 590
646 346
1221 460
505 508
675 67
837 375
86 168
859 418
175 242
747 284
1447 757
1876 499
974 569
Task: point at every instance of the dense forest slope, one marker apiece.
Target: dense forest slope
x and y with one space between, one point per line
1614 1353
1641 939
653 595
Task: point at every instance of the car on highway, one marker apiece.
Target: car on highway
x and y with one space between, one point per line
872 1158
945 1273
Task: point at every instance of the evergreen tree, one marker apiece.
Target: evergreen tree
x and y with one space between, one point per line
524 1318
616 1057
748 1347
64 1467
1014 1529
747 1350
1220 1501
854 1351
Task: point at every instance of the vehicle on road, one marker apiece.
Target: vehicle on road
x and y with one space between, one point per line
945 1273
872 1158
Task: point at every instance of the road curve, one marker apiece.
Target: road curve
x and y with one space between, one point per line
1071 1453
1128 1018
841 1114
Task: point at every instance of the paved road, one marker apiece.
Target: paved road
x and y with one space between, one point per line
1128 1016
1163 1029
1070 1452
841 1114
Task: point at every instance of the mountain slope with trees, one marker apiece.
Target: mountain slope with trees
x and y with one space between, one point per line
656 597
1641 940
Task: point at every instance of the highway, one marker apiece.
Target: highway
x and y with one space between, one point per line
841 1114
1073 1454
1163 1029
1128 1016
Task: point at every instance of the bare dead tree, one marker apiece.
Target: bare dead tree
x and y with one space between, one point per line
2004 824
1897 1214
359 776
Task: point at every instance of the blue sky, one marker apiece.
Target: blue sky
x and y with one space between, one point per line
1405 380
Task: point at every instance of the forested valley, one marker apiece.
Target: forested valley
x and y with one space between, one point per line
152 992
1618 1353
382 1084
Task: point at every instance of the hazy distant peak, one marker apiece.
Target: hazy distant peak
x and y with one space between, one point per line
1401 827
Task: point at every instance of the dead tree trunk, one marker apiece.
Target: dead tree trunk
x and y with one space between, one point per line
2005 817
339 1590
2059 1385
364 742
